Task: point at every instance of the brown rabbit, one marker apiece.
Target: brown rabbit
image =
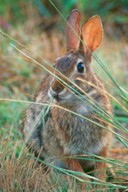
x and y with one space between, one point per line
58 133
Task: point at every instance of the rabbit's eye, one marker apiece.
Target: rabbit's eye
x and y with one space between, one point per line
80 67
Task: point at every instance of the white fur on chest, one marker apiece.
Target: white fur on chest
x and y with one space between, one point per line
83 108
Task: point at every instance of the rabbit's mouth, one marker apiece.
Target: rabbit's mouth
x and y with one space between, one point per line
59 97
64 98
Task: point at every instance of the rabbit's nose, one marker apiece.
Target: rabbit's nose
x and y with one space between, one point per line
56 93
57 87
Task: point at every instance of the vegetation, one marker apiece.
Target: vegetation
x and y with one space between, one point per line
31 35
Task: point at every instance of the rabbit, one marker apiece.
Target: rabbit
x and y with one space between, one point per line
60 131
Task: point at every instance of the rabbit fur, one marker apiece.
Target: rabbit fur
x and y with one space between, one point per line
57 134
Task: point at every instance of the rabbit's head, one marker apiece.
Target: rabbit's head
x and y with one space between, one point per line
81 42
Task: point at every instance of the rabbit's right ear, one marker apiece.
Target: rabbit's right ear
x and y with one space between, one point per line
73 30
92 34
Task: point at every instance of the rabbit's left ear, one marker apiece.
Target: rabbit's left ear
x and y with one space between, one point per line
73 30
92 34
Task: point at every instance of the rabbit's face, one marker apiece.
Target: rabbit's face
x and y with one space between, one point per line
68 69
75 63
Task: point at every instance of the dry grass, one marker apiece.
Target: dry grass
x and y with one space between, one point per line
20 172
23 173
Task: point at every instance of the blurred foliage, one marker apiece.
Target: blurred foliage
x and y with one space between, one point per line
106 8
12 10
18 10
46 13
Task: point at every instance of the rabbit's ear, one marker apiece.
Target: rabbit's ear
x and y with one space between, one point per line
73 30
92 34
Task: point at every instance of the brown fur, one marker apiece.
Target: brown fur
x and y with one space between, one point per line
65 134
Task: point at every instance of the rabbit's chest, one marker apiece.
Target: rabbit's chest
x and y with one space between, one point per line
76 134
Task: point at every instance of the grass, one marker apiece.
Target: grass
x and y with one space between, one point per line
20 74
